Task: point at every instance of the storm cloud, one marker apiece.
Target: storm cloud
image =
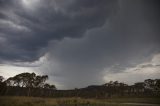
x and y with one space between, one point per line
28 26
81 40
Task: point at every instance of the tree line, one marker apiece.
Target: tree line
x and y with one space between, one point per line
27 81
30 84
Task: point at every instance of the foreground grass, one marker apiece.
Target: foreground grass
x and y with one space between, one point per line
36 101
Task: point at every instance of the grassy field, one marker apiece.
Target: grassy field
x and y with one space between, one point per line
35 101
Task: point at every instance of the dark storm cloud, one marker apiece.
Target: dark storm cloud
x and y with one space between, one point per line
129 38
26 29
83 39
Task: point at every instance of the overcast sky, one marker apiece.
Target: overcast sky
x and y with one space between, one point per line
81 42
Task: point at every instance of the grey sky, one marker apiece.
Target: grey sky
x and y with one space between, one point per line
80 42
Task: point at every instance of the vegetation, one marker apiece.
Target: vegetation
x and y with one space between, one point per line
25 84
14 92
32 101
30 84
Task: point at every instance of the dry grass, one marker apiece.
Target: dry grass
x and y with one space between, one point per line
37 101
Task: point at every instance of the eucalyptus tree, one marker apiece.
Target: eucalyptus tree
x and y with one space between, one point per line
43 79
52 87
40 81
1 79
10 81
2 85
48 86
149 84
157 84
139 88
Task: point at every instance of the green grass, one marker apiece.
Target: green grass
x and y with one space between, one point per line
36 101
